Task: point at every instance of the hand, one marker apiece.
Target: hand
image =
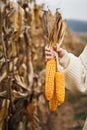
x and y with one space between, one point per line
49 54
61 52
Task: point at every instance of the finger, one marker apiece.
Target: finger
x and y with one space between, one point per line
49 57
47 60
58 49
61 52
48 53
47 48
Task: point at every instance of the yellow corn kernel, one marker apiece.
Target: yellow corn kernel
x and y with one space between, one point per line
60 86
49 83
53 102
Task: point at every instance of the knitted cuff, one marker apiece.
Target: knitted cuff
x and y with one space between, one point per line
64 61
83 57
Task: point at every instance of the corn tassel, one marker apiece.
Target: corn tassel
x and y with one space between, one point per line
60 86
50 72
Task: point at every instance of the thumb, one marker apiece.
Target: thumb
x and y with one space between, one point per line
61 52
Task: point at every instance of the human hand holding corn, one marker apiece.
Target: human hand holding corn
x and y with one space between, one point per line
55 80
50 54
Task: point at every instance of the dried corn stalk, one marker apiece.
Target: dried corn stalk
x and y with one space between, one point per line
15 17
3 113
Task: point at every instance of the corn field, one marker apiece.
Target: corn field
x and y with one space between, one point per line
21 66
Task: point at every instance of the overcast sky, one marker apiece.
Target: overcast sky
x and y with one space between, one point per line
74 9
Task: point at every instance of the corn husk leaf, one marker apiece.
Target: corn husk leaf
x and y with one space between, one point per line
54 26
3 113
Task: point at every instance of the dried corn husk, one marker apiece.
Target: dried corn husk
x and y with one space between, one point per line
54 27
15 17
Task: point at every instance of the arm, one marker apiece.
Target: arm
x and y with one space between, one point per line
75 69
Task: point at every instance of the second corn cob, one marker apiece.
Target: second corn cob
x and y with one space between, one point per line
60 86
53 103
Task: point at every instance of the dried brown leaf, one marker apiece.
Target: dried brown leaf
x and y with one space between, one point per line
55 27
16 18
20 81
45 23
63 29
3 76
3 112
19 95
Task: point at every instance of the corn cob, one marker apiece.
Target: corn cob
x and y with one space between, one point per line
53 102
60 86
50 72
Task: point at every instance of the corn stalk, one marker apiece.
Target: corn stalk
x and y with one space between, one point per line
22 40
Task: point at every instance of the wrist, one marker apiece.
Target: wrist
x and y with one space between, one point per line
64 61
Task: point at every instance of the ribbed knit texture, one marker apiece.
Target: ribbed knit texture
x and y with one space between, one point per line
83 57
75 71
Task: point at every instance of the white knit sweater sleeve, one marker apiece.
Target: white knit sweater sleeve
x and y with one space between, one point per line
75 70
